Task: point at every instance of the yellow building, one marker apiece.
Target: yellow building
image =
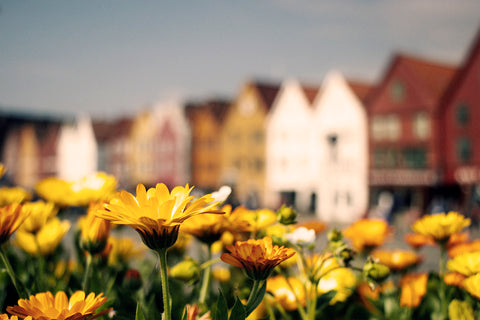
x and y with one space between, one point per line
243 142
206 122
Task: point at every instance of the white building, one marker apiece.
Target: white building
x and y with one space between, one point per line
340 150
77 150
288 160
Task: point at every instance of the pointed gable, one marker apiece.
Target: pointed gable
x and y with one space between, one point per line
267 92
361 90
310 92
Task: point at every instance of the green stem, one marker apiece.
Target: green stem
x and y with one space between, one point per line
207 276
312 303
162 256
86 275
253 298
443 286
22 292
300 308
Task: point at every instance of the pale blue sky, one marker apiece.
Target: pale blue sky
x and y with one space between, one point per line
109 57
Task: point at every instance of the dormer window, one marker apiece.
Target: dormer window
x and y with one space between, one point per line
462 114
397 91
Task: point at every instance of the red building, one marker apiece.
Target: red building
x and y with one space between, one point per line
404 122
461 109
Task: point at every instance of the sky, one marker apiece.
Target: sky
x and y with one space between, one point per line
110 58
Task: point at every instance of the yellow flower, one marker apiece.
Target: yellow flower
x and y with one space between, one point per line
122 250
44 306
40 212
11 217
367 233
13 195
259 219
454 279
46 240
257 257
460 310
417 240
187 270
472 285
467 264
156 214
2 169
94 230
414 288
193 312
221 274
283 293
464 248
441 226
92 188
5 317
397 259
318 266
342 280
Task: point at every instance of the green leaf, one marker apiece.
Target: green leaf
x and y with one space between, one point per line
222 310
325 298
238 311
254 303
139 313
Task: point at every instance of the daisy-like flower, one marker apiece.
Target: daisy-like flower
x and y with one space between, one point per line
40 212
257 257
6 317
13 195
414 288
156 214
417 240
454 279
467 264
46 240
94 230
123 250
45 306
367 233
441 226
342 280
11 217
302 237
281 288
259 219
461 248
397 260
472 285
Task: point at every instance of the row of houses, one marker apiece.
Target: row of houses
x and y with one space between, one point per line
335 148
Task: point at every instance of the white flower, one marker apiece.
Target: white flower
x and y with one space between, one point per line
222 194
301 236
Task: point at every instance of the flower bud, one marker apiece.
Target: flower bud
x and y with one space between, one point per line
132 280
187 270
334 235
375 272
286 215
345 255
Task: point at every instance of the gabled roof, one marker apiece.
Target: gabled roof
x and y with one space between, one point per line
310 92
462 71
267 91
430 79
109 130
218 107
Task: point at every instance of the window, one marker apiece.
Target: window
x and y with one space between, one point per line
397 91
385 158
462 114
415 158
421 125
464 149
393 127
378 132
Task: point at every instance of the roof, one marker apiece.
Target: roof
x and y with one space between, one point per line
218 107
267 91
108 130
310 92
360 89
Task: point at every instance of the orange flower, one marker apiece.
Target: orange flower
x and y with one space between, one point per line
257 257
11 217
417 240
5 317
313 224
156 214
457 238
45 306
467 264
283 293
94 230
397 260
367 233
193 312
414 288
454 279
466 247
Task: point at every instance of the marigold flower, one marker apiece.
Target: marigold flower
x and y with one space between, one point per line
342 280
454 279
458 249
441 226
92 188
156 214
417 240
467 264
413 289
397 259
11 217
46 240
257 257
94 230
367 233
13 195
288 293
40 212
457 238
472 285
44 306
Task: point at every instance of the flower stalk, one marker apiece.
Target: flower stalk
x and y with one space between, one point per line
162 257
207 276
21 291
86 276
